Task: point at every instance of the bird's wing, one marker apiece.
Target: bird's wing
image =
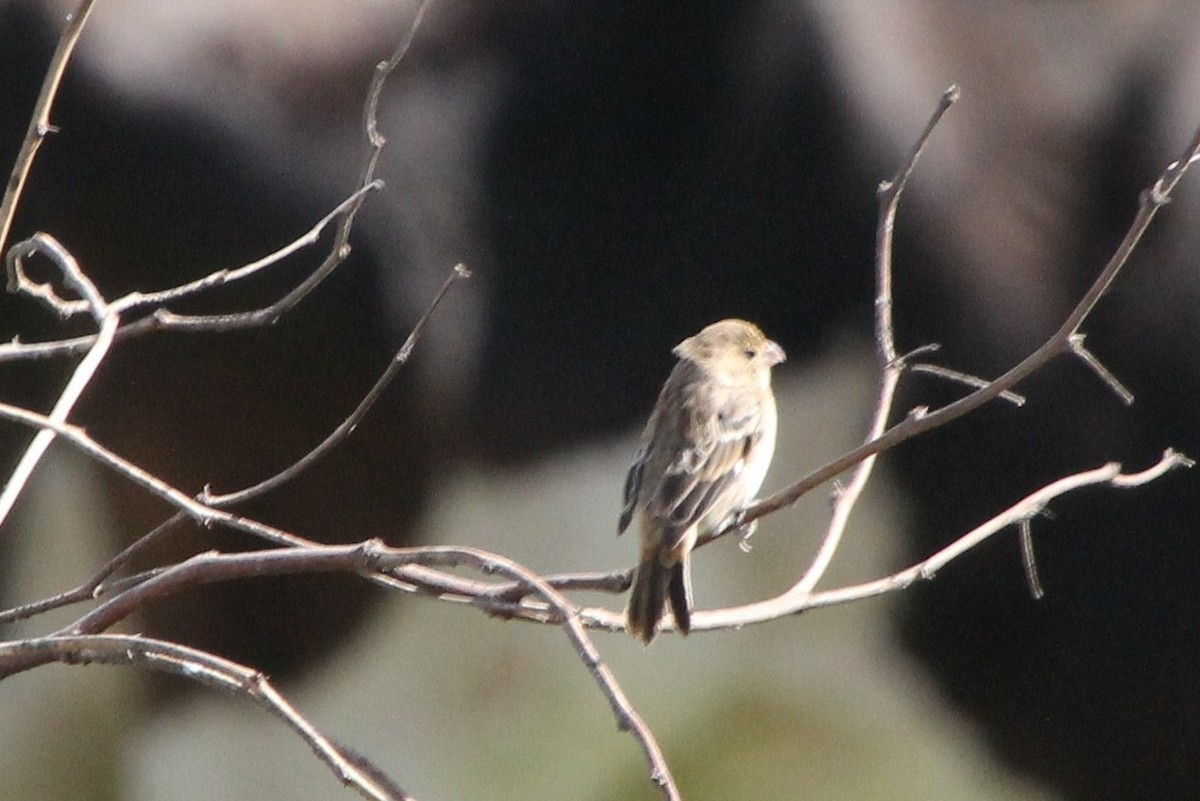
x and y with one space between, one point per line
714 433
633 485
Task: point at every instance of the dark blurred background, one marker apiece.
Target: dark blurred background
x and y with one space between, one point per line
619 174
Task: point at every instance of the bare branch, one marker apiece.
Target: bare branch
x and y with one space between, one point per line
972 381
1075 342
890 366
39 124
628 719
208 669
202 514
503 599
222 277
343 431
1025 529
80 378
164 319
523 594
341 246
1171 460
615 583
791 603
89 588
79 644
889 198
19 281
161 319
410 572
1150 202
369 556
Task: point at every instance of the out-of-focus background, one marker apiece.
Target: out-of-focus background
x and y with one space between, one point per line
618 175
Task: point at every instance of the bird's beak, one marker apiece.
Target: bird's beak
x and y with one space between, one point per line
772 354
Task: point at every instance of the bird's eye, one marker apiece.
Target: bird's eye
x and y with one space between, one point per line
750 353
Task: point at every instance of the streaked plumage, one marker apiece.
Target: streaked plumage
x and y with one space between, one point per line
703 455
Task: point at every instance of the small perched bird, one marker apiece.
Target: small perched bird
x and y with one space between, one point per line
703 455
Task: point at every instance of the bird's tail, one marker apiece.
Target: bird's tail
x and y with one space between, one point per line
653 585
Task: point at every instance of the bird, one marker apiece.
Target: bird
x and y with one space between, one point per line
702 457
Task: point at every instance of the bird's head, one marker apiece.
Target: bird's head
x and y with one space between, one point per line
732 348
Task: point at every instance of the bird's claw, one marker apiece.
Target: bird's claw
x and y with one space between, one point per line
744 531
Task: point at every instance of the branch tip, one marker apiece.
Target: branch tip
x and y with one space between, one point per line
1075 343
1179 459
1025 527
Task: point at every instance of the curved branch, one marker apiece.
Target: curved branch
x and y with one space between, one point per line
39 123
1151 200
214 671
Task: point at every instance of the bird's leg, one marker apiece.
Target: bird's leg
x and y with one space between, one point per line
743 530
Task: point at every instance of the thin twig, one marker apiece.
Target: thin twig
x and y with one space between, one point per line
628 719
499 599
223 277
208 501
1075 341
495 599
341 244
343 431
956 376
1033 504
93 587
208 669
369 556
198 510
205 568
39 123
890 366
615 583
83 373
90 300
164 319
161 319
205 515
201 513
1028 559
1151 200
